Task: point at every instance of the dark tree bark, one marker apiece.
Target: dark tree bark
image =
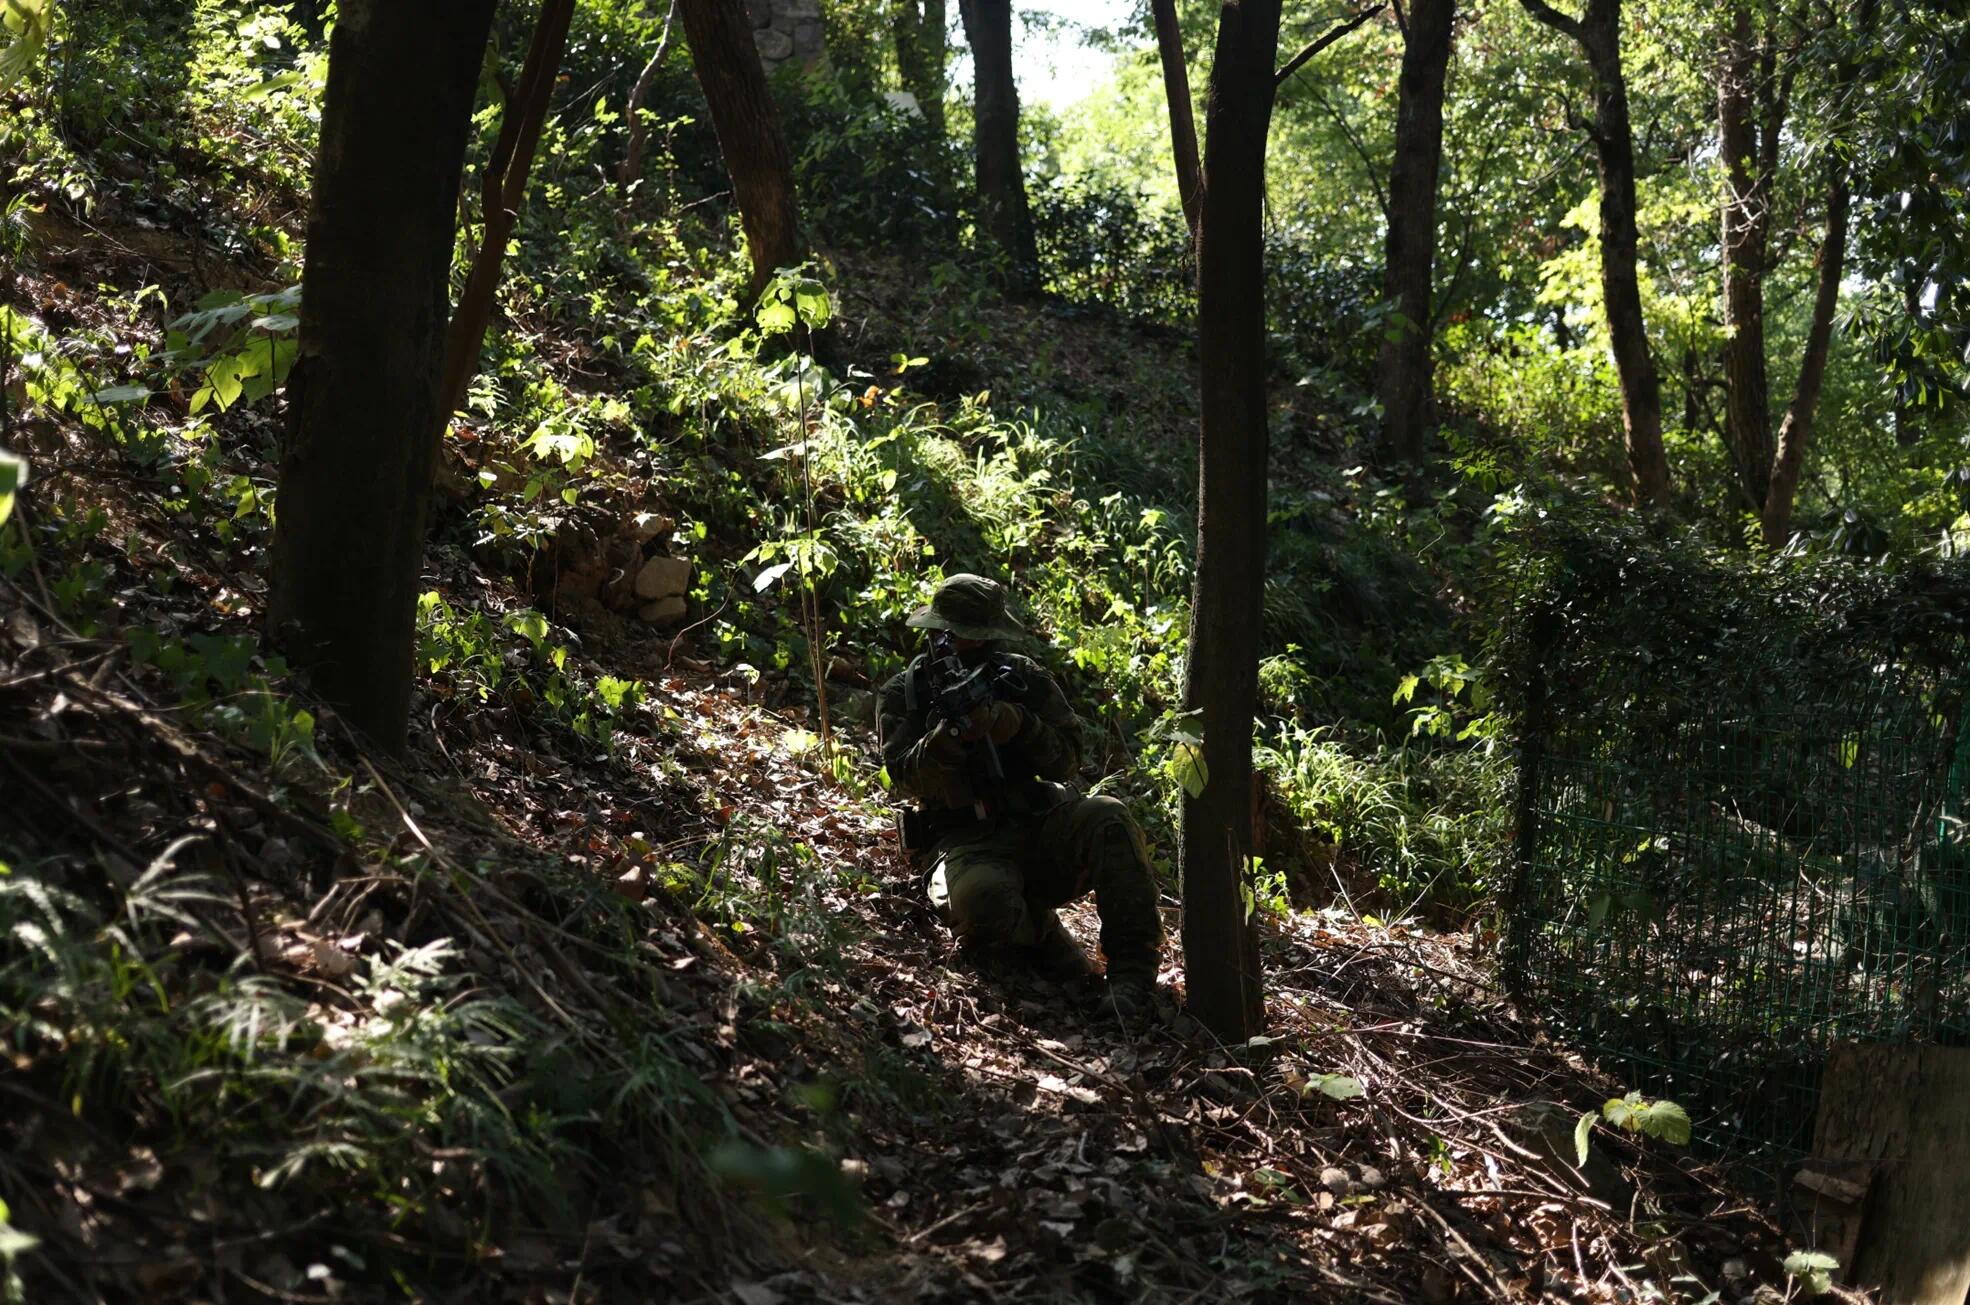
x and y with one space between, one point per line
1403 375
632 159
1221 958
1003 212
1598 34
1745 240
1183 125
1796 432
747 120
363 400
1896 1114
502 191
1753 98
922 53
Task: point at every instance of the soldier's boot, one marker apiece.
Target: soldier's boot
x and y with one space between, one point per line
1131 927
1056 955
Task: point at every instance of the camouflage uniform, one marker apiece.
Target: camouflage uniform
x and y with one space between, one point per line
999 880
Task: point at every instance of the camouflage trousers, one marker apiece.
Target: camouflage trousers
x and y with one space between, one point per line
1001 883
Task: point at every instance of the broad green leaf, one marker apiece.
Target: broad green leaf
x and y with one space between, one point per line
775 318
1188 768
1405 691
121 394
810 299
1669 1122
13 474
1340 1087
1814 1269
29 21
1583 1133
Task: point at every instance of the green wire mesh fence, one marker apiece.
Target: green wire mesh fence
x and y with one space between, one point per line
1741 819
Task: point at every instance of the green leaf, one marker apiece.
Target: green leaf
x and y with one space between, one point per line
1270 1178
1814 1269
121 394
13 474
31 21
775 318
1669 1122
1188 768
1339 1087
810 300
1405 691
1583 1133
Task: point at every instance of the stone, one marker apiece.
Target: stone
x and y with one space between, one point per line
645 526
797 9
774 45
1336 1180
807 39
664 611
663 576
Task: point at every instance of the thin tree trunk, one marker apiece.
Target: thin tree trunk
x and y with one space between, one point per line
922 55
1598 34
502 192
632 161
1183 125
1220 948
1796 432
1746 226
747 120
1403 374
364 401
1003 211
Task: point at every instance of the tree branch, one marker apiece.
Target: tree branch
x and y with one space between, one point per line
1544 13
1324 40
1361 152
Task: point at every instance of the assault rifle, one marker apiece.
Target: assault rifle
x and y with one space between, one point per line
956 691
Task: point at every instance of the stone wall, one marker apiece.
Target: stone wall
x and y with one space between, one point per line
786 31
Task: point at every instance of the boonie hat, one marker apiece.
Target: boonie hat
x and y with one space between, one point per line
971 607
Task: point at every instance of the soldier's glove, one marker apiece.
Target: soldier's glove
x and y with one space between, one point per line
1008 718
946 742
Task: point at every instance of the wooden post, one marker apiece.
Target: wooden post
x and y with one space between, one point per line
1901 1110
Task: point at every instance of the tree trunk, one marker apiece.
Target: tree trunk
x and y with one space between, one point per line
1598 34
502 192
1898 1110
632 160
1746 227
922 55
1795 433
1403 375
363 400
1183 126
1003 214
747 120
1220 948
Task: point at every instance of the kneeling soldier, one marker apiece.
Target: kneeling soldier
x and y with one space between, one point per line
1010 840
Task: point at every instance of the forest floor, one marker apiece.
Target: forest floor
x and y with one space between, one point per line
1000 1139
